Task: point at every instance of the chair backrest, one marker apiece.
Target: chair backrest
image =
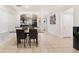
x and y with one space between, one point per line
20 34
33 34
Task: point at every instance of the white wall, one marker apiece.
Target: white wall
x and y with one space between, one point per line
8 18
76 15
56 29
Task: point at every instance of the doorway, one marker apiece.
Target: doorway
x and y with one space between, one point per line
67 23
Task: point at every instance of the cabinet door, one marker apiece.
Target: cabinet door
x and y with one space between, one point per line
78 44
75 43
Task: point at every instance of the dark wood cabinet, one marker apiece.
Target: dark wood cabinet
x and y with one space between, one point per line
76 38
34 22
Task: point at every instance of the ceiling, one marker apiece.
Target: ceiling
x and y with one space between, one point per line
35 8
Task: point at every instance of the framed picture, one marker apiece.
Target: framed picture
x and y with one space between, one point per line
53 19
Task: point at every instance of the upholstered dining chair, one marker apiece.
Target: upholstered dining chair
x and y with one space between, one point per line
20 36
33 34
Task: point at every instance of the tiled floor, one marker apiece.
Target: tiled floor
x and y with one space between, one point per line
3 36
47 44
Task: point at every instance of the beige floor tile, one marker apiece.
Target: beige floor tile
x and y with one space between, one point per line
47 44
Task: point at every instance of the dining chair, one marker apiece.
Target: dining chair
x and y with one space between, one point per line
20 36
33 34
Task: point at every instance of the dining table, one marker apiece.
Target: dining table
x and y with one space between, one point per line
26 30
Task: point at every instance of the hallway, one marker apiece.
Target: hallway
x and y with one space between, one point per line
47 44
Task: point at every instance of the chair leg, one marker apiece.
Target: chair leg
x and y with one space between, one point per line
17 43
36 42
27 40
24 43
30 42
